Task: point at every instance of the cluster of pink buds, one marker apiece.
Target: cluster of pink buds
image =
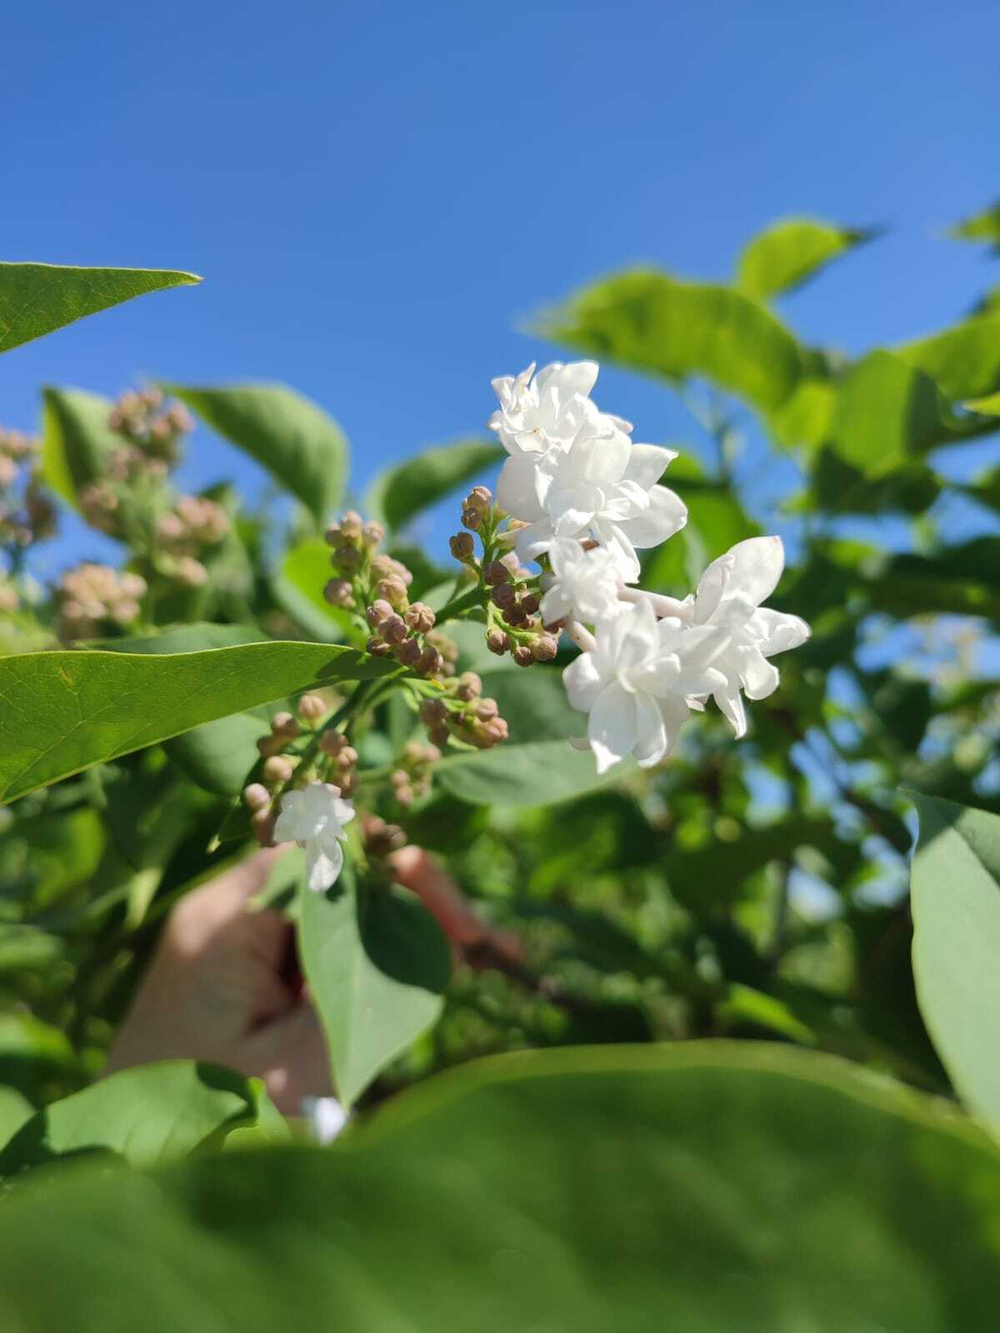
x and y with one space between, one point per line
411 779
354 544
463 713
513 624
146 421
381 839
341 761
92 597
184 534
27 515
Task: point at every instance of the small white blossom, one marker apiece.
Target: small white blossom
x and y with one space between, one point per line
325 1117
314 818
583 584
729 597
636 680
552 409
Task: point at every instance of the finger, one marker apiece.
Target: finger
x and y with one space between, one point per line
442 897
291 1057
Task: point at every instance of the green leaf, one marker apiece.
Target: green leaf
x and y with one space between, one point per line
147 1114
77 441
218 755
400 493
703 1187
14 1111
538 773
35 299
955 580
963 361
63 711
377 965
791 251
299 444
984 226
886 411
955 900
650 321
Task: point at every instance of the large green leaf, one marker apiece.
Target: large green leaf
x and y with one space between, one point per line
699 1187
377 965
886 411
955 888
63 711
790 252
298 443
76 440
35 299
537 773
14 1111
400 493
963 361
147 1114
653 322
961 579
298 585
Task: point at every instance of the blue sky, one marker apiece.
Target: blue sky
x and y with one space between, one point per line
379 194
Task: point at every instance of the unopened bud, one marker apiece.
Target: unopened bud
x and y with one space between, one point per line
277 769
544 648
472 519
409 652
377 647
348 559
420 618
382 838
479 498
433 710
283 724
470 686
347 758
338 592
256 796
311 707
332 535
462 546
377 612
529 603
498 642
431 662
438 732
496 730
504 596
351 524
262 823
332 742
393 591
373 533
522 655
486 709
393 629
495 573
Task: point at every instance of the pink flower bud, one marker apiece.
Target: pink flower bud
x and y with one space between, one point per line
498 642
277 769
262 823
409 652
470 686
495 574
348 559
393 629
529 603
311 707
284 724
486 709
431 662
377 612
256 796
351 524
377 647
420 617
331 742
504 596
338 592
522 655
433 710
544 648
373 534
393 591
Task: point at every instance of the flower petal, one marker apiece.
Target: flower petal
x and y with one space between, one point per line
613 727
324 862
730 701
779 631
651 745
647 464
757 566
516 489
759 676
667 514
583 681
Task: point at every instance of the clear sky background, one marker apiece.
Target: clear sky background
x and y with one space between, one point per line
379 194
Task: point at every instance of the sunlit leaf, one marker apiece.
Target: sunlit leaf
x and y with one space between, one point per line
77 441
791 251
35 299
955 895
63 711
298 443
650 321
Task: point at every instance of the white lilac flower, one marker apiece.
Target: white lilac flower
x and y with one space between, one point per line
314 818
550 410
729 597
583 584
636 680
603 487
